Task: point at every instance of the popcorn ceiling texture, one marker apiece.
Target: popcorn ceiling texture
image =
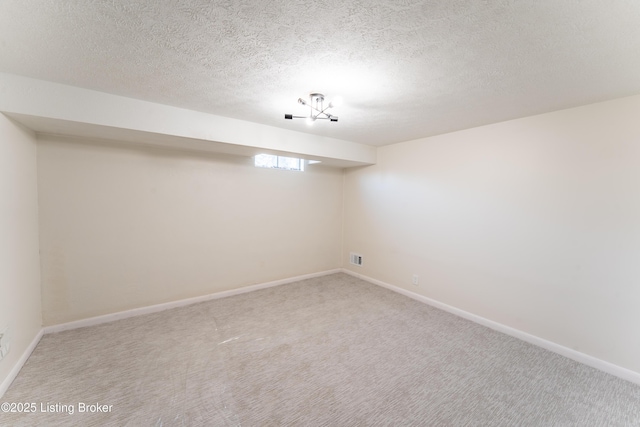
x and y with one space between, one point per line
407 69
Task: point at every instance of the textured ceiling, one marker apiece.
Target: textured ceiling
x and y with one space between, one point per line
406 69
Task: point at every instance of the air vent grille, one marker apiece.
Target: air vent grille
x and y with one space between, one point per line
356 259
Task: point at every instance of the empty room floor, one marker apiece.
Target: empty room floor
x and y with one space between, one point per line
332 350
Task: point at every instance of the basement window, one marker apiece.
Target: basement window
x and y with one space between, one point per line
279 162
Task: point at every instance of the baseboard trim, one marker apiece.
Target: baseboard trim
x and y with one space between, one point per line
4 386
92 321
610 368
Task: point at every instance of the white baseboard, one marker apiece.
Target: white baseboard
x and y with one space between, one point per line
83 323
610 368
4 386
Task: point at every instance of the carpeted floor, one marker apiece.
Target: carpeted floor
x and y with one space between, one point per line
333 350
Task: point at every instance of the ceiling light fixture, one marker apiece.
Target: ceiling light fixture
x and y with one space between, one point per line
317 109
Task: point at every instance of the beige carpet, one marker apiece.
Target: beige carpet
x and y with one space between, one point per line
327 351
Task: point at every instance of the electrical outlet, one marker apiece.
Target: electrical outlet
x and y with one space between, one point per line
4 343
414 280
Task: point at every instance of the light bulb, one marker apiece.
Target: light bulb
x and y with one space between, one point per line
311 120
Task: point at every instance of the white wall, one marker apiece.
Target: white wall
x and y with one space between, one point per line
125 227
20 308
533 223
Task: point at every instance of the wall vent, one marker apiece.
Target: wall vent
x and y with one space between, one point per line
356 259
